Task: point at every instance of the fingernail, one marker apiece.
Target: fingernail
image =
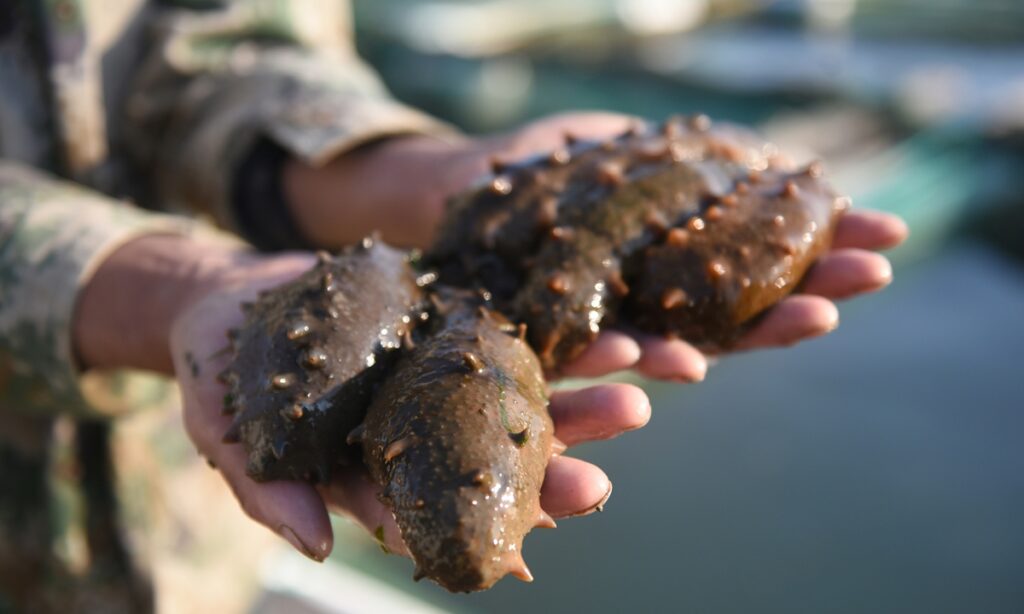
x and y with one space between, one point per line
558 446
597 507
600 504
292 538
696 375
700 372
885 275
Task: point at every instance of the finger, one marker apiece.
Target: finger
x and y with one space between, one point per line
870 230
845 272
598 412
293 510
611 351
573 488
796 318
670 359
353 494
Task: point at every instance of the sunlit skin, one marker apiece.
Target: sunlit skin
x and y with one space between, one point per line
185 295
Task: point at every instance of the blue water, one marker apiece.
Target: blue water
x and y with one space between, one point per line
878 470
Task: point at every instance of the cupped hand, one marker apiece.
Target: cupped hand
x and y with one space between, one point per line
852 267
297 511
408 212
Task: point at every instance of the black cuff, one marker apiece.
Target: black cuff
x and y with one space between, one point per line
257 196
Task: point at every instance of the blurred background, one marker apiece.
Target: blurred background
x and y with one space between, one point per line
878 470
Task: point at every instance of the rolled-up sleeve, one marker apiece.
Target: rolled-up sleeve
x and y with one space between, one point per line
220 76
52 237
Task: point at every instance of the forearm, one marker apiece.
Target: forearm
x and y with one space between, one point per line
124 313
54 238
397 187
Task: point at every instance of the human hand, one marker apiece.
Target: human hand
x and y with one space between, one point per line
408 210
298 511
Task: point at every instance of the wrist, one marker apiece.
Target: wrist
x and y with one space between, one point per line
397 186
126 310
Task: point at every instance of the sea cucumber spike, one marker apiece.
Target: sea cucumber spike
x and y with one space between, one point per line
558 446
716 269
559 157
397 447
295 412
700 122
655 220
282 381
356 435
561 233
558 283
519 569
545 521
635 128
501 184
473 361
297 330
677 237
498 166
233 434
547 211
611 174
315 358
672 298
617 285
671 128
278 447
228 405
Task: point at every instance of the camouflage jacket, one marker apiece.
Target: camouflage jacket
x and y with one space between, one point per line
107 102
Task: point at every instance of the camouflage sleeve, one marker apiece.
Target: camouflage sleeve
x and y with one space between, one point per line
52 237
220 75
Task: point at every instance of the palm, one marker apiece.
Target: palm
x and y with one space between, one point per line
298 511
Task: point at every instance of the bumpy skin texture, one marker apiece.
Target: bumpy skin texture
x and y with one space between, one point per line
681 229
673 229
309 355
460 437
